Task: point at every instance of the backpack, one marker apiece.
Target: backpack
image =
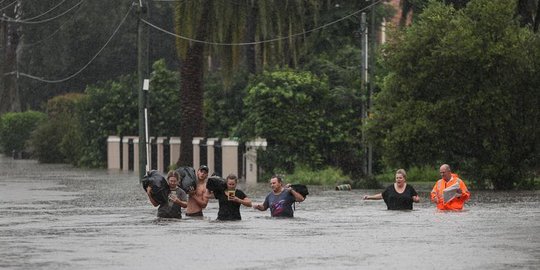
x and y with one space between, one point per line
188 178
302 189
216 184
160 187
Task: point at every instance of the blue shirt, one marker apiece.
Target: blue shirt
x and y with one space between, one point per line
280 205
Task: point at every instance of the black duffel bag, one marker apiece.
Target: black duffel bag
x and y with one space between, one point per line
216 184
160 187
188 178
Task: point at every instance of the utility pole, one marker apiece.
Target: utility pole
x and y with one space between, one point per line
142 67
371 64
365 82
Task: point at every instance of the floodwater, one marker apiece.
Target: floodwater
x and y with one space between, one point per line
59 217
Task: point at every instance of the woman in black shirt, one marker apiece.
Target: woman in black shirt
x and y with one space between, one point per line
230 200
398 196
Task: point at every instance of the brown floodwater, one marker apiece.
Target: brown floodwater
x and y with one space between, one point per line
60 217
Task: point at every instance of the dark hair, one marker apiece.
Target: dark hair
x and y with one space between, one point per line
278 177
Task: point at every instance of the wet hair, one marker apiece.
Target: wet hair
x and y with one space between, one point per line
278 177
232 176
173 173
402 172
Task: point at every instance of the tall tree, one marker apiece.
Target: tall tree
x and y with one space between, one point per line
228 20
463 89
12 32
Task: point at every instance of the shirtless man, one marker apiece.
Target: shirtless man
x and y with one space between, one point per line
198 199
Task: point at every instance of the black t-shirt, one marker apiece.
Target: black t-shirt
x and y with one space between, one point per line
399 201
229 210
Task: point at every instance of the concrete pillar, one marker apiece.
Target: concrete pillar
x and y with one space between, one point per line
160 163
113 152
197 151
210 152
251 159
174 144
229 156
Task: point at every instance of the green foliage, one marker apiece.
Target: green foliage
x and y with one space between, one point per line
15 130
223 107
344 106
462 89
288 108
163 100
111 108
304 175
58 139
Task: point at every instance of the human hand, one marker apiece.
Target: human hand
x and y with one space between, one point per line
365 197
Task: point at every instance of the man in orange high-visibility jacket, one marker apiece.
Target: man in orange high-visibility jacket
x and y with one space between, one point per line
449 179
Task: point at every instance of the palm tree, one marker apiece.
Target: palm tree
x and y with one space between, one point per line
231 22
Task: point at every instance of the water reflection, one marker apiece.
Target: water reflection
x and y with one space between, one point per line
55 216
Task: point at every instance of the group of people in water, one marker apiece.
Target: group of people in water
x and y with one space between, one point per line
448 193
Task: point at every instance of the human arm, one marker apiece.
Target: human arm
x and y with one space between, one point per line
414 195
241 199
434 194
200 197
180 199
245 202
377 196
297 196
263 206
463 192
149 194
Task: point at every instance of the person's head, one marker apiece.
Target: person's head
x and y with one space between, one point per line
276 183
401 176
445 172
172 179
202 172
232 180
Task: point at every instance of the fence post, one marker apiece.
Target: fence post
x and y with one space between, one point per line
229 156
251 168
113 152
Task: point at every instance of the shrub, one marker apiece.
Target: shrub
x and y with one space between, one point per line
329 176
58 139
15 130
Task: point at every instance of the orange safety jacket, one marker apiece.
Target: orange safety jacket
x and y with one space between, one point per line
455 203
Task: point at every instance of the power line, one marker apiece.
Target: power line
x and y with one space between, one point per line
9 5
84 67
42 21
262 41
53 33
29 19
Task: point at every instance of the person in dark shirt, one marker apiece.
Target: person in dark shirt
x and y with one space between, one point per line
230 200
398 196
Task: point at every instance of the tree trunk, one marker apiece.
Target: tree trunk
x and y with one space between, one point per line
537 17
251 25
191 92
9 93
